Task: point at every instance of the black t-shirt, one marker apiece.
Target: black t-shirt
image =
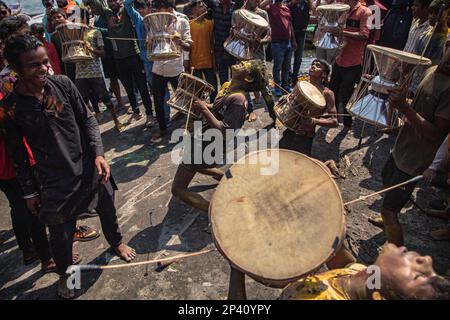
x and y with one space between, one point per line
300 15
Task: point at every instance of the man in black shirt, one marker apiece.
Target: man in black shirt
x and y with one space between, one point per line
71 175
300 20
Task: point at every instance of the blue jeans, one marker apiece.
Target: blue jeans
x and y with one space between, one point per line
281 53
300 37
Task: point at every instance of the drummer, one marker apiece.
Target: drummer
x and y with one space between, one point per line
232 106
403 274
426 126
302 139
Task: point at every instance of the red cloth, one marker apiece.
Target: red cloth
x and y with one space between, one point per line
280 21
7 171
352 53
53 56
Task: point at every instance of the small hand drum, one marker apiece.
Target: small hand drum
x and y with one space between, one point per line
161 47
250 29
385 69
305 101
74 45
189 88
330 16
273 224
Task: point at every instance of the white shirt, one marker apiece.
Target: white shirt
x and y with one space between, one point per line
172 68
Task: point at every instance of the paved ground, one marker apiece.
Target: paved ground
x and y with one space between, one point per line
151 221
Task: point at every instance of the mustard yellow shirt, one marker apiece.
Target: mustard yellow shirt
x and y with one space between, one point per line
201 52
320 286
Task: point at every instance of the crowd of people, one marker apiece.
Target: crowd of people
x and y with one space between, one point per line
52 165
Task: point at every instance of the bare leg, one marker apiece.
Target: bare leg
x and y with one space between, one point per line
213 172
342 258
183 178
119 126
236 289
392 227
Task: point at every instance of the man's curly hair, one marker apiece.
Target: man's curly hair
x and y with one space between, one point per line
258 73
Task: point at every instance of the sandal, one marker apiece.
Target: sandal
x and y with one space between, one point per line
85 233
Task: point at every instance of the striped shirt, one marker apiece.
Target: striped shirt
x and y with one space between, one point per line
222 22
415 32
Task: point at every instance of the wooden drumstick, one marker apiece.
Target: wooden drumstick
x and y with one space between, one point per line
190 106
362 198
134 264
280 87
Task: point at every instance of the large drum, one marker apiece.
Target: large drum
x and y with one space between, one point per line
331 22
385 69
249 29
189 88
305 101
74 45
273 224
161 46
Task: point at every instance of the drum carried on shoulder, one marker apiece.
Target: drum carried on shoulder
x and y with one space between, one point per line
161 46
331 22
250 28
304 101
275 227
189 88
385 69
74 44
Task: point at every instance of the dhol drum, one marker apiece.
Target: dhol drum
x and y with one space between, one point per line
250 29
189 88
276 227
331 22
161 46
384 69
305 101
74 45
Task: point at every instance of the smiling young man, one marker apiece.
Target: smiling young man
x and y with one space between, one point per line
71 174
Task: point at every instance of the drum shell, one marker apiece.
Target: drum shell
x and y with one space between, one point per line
162 47
242 43
332 17
189 87
73 37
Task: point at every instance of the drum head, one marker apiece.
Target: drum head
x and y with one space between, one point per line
312 94
404 56
334 7
253 18
277 228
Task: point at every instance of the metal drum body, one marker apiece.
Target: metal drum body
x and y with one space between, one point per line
385 69
275 226
330 16
304 100
162 47
250 28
